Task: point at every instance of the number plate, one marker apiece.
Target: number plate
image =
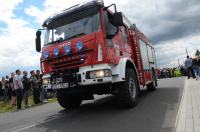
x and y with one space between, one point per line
60 85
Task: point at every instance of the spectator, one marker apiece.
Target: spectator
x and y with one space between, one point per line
13 92
42 90
196 66
35 87
1 92
9 93
27 87
4 88
189 64
18 86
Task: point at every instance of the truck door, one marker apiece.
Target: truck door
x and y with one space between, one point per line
114 48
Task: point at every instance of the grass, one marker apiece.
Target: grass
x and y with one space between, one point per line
5 106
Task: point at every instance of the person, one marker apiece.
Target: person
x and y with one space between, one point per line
8 88
42 90
18 86
1 92
13 92
27 87
189 66
196 68
4 88
35 87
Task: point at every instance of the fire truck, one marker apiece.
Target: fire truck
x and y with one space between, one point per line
93 49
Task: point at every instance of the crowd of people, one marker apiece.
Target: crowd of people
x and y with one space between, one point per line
18 88
171 72
191 68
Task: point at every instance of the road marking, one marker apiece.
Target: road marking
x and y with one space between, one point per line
38 122
24 128
44 120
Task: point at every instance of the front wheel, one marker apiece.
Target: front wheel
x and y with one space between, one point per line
68 101
128 90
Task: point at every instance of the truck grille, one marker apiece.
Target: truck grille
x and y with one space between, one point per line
68 62
67 75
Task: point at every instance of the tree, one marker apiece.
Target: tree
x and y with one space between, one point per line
197 53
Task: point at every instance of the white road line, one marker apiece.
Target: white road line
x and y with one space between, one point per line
24 128
44 120
36 123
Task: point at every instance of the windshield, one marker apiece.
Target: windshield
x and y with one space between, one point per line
73 29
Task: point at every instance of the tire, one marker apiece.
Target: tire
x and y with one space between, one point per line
128 90
68 102
152 86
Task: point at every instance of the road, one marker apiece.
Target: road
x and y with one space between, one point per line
155 112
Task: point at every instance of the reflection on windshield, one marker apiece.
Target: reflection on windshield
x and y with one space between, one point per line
78 28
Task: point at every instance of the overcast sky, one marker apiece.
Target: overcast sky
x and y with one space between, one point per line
172 25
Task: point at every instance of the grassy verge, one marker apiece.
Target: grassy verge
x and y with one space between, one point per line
5 106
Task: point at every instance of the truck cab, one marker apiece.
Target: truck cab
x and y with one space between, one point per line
88 49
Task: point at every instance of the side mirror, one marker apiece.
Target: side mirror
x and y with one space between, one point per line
118 19
38 41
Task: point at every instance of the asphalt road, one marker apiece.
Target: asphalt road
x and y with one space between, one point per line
155 112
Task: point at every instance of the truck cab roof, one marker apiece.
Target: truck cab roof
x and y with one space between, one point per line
69 11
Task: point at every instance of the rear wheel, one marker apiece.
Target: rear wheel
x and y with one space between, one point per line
152 86
128 90
68 101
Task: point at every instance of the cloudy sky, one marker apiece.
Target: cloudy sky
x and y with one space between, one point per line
172 25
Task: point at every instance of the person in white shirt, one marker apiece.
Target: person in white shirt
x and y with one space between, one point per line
18 86
189 66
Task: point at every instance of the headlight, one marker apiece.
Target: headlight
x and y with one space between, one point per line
79 45
98 74
46 54
46 81
67 49
56 51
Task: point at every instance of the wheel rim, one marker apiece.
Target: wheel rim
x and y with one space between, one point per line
132 87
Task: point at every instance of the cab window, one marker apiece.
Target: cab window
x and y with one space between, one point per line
111 30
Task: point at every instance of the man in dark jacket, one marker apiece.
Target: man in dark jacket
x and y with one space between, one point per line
27 87
35 87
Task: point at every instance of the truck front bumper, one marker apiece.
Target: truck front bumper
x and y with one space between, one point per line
96 74
87 75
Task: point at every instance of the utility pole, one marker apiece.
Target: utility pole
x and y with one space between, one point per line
187 52
178 63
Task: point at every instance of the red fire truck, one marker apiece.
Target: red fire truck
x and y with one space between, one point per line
89 49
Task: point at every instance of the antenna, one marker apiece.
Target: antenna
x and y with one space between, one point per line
187 52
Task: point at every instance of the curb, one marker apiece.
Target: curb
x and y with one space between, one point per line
180 107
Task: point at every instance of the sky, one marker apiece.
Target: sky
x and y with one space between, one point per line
171 25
